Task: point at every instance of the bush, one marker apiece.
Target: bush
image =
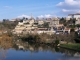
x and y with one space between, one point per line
56 42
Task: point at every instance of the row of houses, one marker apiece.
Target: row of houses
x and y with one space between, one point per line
31 26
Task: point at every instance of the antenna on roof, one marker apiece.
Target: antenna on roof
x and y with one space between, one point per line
31 16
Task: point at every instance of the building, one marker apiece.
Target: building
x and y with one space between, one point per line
63 31
77 21
54 22
77 15
25 26
31 26
40 22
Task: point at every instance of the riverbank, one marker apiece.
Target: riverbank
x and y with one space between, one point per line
75 47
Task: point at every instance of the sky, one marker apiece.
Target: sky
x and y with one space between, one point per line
10 9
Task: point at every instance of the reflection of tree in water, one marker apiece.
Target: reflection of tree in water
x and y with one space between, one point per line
33 47
3 54
69 53
36 47
5 44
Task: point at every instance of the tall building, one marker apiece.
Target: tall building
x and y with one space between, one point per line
77 15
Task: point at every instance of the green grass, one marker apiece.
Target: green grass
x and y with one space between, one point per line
71 46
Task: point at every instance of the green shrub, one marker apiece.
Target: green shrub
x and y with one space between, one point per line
56 42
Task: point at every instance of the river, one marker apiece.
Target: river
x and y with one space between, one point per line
24 51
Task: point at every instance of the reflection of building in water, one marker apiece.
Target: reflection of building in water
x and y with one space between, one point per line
34 48
21 47
31 48
25 46
70 53
77 54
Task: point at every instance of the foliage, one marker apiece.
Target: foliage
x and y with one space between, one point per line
42 38
36 23
56 42
8 25
71 46
6 41
62 20
9 33
46 25
78 25
72 30
30 38
27 23
72 26
77 37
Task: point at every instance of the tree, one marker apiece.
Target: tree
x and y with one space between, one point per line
72 30
78 25
56 42
72 21
26 18
46 25
62 20
23 18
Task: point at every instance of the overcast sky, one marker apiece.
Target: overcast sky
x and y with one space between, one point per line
39 8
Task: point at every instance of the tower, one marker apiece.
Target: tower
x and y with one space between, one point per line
31 16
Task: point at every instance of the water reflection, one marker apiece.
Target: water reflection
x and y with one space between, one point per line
3 54
19 50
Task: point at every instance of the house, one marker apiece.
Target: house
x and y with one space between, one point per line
45 30
61 30
77 21
67 30
40 22
54 22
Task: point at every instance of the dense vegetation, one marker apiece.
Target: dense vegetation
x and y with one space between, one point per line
71 46
45 38
68 23
6 25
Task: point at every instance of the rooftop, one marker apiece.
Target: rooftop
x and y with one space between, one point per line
74 14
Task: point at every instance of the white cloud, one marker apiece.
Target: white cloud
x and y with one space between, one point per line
70 3
26 16
69 6
64 10
45 16
41 16
7 7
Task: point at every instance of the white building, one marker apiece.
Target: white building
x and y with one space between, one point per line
77 15
77 21
40 22
26 25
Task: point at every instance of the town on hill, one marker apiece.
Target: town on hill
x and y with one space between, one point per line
52 28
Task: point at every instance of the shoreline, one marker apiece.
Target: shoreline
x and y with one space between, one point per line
71 47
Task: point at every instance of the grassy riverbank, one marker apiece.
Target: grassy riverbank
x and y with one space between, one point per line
71 46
